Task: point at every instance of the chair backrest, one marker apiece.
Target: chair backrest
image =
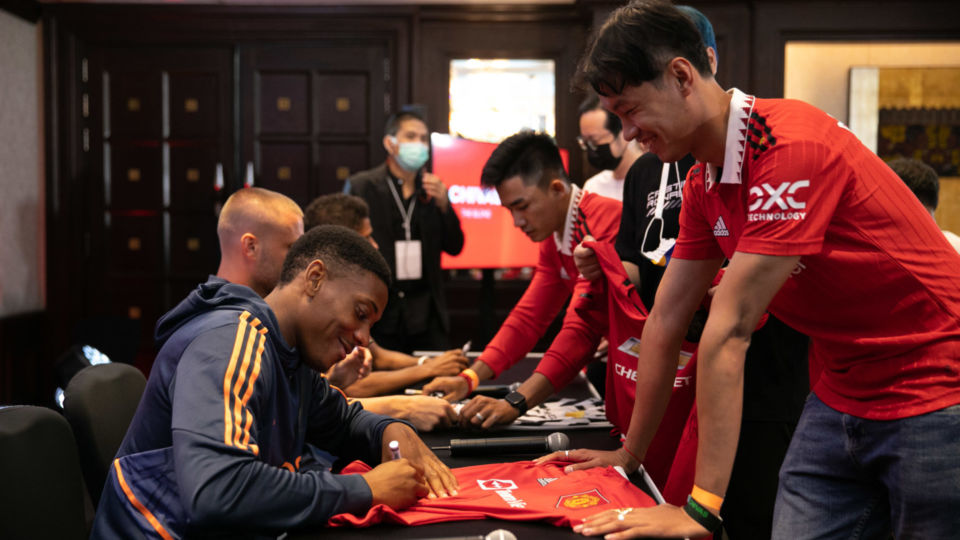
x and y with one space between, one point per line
41 488
99 402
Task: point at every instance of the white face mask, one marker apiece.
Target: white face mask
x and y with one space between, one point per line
661 253
411 155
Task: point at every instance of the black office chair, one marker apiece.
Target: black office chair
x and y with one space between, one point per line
99 402
41 487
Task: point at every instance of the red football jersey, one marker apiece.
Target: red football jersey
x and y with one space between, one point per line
519 491
612 304
553 282
877 287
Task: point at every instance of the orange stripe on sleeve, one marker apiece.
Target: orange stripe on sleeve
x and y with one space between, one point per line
154 522
341 393
237 347
246 432
254 375
241 378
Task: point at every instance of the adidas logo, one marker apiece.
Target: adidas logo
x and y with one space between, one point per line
720 229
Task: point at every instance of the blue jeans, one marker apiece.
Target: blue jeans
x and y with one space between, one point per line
846 477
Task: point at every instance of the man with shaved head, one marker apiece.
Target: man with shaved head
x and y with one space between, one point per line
256 229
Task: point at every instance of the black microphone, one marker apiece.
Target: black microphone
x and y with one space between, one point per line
495 390
499 534
507 445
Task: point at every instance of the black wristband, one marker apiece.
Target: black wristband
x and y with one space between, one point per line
701 515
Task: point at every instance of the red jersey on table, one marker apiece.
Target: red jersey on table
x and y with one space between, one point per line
877 287
519 491
553 281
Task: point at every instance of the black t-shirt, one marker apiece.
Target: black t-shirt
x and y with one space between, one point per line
640 191
775 374
776 381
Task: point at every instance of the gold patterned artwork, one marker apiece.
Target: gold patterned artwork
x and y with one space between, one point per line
912 88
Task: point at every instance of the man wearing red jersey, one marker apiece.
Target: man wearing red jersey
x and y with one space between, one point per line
820 232
528 174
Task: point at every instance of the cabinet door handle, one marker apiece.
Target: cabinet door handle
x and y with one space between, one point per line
248 177
218 178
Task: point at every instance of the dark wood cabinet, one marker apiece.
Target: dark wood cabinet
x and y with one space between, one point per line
313 113
158 112
160 117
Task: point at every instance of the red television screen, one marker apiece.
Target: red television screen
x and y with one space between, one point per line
490 239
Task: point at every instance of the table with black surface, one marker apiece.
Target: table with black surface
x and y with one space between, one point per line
595 438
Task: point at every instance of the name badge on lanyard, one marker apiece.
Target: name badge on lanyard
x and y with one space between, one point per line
408 259
408 251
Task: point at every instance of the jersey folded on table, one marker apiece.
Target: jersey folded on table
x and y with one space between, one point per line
518 491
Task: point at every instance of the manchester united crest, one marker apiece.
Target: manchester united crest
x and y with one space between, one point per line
577 501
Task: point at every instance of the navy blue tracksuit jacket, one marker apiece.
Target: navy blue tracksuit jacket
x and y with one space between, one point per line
215 446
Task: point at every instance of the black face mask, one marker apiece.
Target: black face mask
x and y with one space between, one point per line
602 158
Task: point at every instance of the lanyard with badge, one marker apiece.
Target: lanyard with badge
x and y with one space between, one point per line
408 250
659 254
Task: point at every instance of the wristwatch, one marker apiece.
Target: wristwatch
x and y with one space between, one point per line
518 401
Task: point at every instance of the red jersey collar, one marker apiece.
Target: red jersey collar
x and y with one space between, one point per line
565 244
741 105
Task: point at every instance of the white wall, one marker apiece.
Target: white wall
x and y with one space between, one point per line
22 241
818 73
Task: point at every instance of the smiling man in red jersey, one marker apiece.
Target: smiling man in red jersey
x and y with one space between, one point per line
820 232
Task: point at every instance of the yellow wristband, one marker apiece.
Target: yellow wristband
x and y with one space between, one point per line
472 379
706 498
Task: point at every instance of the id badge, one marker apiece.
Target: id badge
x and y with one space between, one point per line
408 259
